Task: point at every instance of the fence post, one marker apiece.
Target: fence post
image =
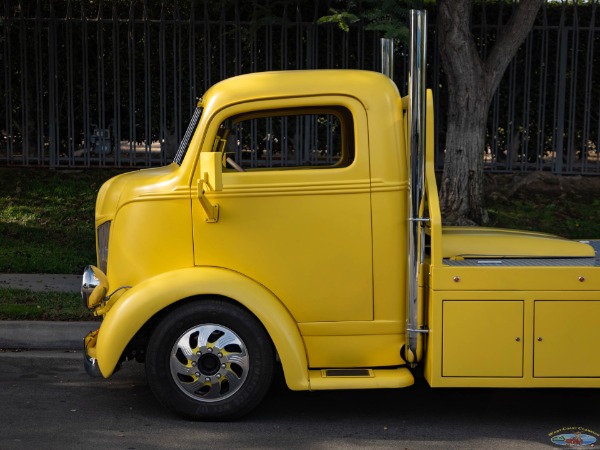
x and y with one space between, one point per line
559 139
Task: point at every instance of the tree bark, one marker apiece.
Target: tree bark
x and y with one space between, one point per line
472 83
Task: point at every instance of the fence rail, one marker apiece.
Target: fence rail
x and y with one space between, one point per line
113 83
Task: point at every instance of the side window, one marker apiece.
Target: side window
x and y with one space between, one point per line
290 138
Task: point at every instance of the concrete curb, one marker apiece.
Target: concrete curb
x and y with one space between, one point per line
41 335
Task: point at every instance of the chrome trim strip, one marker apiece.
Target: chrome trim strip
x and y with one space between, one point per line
422 331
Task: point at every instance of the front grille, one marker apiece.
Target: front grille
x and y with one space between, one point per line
103 235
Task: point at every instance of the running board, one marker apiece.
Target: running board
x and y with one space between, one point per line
359 378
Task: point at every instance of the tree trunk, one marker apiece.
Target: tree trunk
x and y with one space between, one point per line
471 86
462 192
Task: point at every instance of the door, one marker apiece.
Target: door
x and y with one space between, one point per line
482 339
294 212
566 339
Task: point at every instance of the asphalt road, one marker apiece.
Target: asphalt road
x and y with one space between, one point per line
47 401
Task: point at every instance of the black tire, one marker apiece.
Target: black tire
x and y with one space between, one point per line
209 360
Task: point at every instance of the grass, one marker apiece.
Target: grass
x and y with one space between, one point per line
565 206
47 219
19 304
576 220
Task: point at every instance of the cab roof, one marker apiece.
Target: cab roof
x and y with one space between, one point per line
365 86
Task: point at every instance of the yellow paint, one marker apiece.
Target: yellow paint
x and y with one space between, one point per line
495 278
373 350
566 337
150 214
479 242
553 315
497 328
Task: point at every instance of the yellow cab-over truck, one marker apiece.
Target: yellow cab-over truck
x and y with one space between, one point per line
299 224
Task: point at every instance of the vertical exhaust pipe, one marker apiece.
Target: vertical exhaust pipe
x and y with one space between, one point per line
387 57
416 117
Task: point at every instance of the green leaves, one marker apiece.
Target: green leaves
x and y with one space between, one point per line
390 17
343 19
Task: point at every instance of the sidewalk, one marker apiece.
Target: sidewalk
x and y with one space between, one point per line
42 335
39 282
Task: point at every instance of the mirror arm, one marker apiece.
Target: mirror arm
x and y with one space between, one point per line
212 211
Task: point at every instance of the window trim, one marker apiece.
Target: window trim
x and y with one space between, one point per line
342 113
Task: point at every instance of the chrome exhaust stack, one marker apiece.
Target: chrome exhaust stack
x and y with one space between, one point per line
387 57
417 130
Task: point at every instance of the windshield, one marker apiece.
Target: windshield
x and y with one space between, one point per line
187 137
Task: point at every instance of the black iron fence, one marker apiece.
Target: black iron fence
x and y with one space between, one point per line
114 83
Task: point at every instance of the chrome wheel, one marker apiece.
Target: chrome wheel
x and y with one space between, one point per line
209 359
209 362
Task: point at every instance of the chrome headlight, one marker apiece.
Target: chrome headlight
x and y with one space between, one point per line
93 287
103 235
89 282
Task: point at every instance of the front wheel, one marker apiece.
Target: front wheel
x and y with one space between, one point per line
209 360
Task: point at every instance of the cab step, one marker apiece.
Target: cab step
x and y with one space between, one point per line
360 378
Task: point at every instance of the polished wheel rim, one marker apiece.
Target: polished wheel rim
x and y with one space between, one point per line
209 362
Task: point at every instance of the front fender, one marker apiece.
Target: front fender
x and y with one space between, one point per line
140 303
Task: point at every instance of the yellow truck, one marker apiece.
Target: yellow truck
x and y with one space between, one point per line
299 225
